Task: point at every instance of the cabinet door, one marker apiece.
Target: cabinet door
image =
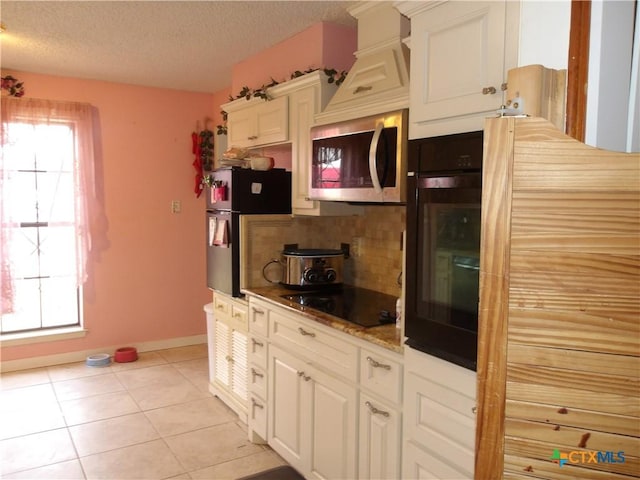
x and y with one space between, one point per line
333 429
222 354
241 127
287 395
260 123
379 440
302 111
439 410
272 121
419 464
238 362
457 56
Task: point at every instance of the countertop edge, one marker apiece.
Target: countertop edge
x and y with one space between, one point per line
384 336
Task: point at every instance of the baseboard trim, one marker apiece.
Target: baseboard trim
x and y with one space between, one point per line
80 356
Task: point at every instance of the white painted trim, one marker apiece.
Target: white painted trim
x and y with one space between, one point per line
81 356
15 339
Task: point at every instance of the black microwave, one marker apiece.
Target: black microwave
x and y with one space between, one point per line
362 160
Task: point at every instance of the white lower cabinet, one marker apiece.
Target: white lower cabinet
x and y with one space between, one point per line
439 419
228 371
312 418
333 402
380 434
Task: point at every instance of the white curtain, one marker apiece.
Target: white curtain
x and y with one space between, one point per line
50 112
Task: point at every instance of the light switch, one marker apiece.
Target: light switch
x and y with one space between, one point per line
176 206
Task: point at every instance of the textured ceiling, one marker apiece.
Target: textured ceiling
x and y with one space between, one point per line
174 44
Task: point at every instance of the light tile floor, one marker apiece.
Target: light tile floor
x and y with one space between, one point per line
149 419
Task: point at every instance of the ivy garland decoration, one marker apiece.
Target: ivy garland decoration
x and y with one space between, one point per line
333 76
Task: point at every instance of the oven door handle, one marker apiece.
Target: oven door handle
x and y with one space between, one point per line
373 153
469 180
465 266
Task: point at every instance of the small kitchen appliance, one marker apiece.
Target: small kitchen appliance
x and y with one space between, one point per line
308 268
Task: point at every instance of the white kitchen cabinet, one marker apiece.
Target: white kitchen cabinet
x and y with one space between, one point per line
334 401
439 418
257 122
307 97
313 418
380 414
257 374
379 439
287 118
228 335
460 54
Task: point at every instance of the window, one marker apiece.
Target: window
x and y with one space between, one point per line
45 165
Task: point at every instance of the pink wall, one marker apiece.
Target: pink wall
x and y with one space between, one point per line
321 45
147 277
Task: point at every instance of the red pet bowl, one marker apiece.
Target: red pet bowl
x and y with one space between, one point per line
125 354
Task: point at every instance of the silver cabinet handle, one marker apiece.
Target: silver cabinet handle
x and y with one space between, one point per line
362 88
256 343
376 411
488 90
252 137
301 374
474 410
256 404
228 358
257 310
256 373
376 364
305 333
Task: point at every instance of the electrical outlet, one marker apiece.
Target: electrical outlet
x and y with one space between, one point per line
176 206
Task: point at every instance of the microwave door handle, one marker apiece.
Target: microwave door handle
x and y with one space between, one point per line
373 153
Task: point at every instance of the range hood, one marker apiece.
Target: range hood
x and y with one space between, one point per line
378 82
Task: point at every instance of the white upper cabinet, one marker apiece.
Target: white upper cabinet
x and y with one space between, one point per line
460 55
308 96
257 122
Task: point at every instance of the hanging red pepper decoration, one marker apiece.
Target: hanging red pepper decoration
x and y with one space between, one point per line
202 149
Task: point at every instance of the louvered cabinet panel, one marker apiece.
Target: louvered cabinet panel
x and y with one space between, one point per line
239 364
222 354
230 353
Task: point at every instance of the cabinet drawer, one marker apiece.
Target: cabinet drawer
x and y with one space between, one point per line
258 415
381 374
258 318
221 308
441 414
257 381
239 318
257 351
313 343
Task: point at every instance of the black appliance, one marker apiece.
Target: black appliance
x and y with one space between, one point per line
361 306
443 239
234 192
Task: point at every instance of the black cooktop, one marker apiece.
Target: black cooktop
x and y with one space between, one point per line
361 306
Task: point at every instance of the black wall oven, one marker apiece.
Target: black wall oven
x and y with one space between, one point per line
443 246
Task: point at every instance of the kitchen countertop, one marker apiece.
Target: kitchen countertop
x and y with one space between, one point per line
386 336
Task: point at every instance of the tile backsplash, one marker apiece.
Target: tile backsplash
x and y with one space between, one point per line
375 240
